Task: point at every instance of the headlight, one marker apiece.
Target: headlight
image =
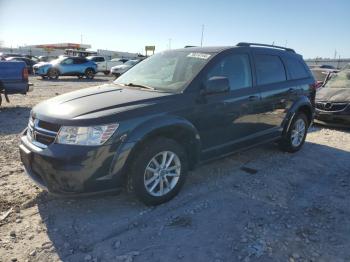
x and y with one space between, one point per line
87 135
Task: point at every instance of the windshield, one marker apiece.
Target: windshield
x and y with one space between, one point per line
168 71
339 80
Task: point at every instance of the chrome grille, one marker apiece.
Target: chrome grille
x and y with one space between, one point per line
41 133
328 106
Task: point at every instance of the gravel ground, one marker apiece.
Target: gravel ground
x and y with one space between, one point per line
294 207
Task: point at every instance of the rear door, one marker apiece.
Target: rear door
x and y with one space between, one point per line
271 80
79 66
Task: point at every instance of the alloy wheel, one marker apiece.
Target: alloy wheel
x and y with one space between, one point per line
298 132
162 173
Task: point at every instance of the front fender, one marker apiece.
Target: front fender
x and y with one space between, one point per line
145 130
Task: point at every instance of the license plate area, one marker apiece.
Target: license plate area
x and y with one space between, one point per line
26 156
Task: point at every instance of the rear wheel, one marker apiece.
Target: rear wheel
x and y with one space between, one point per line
159 171
53 73
89 73
295 136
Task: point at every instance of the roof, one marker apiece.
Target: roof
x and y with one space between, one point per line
217 49
207 49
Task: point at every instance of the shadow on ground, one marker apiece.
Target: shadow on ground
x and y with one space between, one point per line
294 203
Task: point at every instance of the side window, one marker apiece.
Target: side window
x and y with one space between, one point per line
68 61
236 68
78 61
269 69
99 59
296 68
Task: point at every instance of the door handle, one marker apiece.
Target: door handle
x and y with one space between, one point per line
253 98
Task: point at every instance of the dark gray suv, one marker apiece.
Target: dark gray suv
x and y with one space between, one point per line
166 115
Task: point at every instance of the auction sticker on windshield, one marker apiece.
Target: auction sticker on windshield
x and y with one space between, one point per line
199 55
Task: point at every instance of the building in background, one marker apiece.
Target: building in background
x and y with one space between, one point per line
68 49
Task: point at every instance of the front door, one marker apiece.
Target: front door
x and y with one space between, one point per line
226 120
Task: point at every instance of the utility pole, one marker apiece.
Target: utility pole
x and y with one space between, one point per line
169 43
202 35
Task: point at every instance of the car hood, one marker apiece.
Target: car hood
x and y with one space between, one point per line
95 103
333 94
40 64
120 67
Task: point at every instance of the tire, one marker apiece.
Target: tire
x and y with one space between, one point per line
53 73
80 77
106 73
43 77
144 169
89 73
294 137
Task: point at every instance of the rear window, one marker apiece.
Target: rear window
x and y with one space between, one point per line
296 68
269 69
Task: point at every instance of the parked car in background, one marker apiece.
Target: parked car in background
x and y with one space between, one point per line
320 72
29 62
121 69
174 110
104 65
333 100
13 79
66 66
47 58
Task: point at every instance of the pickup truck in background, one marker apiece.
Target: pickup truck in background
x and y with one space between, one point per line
105 66
13 79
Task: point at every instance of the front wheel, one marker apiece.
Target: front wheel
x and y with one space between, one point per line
294 138
159 171
53 73
89 73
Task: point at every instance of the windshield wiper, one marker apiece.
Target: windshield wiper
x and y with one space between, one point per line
138 85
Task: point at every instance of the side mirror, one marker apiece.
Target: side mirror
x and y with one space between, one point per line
216 84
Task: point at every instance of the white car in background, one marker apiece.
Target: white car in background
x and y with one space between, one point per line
105 66
121 69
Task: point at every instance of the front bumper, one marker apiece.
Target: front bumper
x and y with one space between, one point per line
341 119
40 71
74 170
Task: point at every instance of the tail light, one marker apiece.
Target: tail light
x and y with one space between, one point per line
25 74
313 88
316 85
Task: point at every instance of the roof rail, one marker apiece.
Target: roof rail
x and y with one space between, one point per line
264 45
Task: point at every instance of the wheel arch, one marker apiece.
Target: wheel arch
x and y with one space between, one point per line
302 105
180 130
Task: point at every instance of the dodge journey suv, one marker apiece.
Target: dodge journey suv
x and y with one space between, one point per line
166 115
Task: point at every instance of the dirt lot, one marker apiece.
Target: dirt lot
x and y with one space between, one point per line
295 207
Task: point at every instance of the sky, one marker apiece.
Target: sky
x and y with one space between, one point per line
314 28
